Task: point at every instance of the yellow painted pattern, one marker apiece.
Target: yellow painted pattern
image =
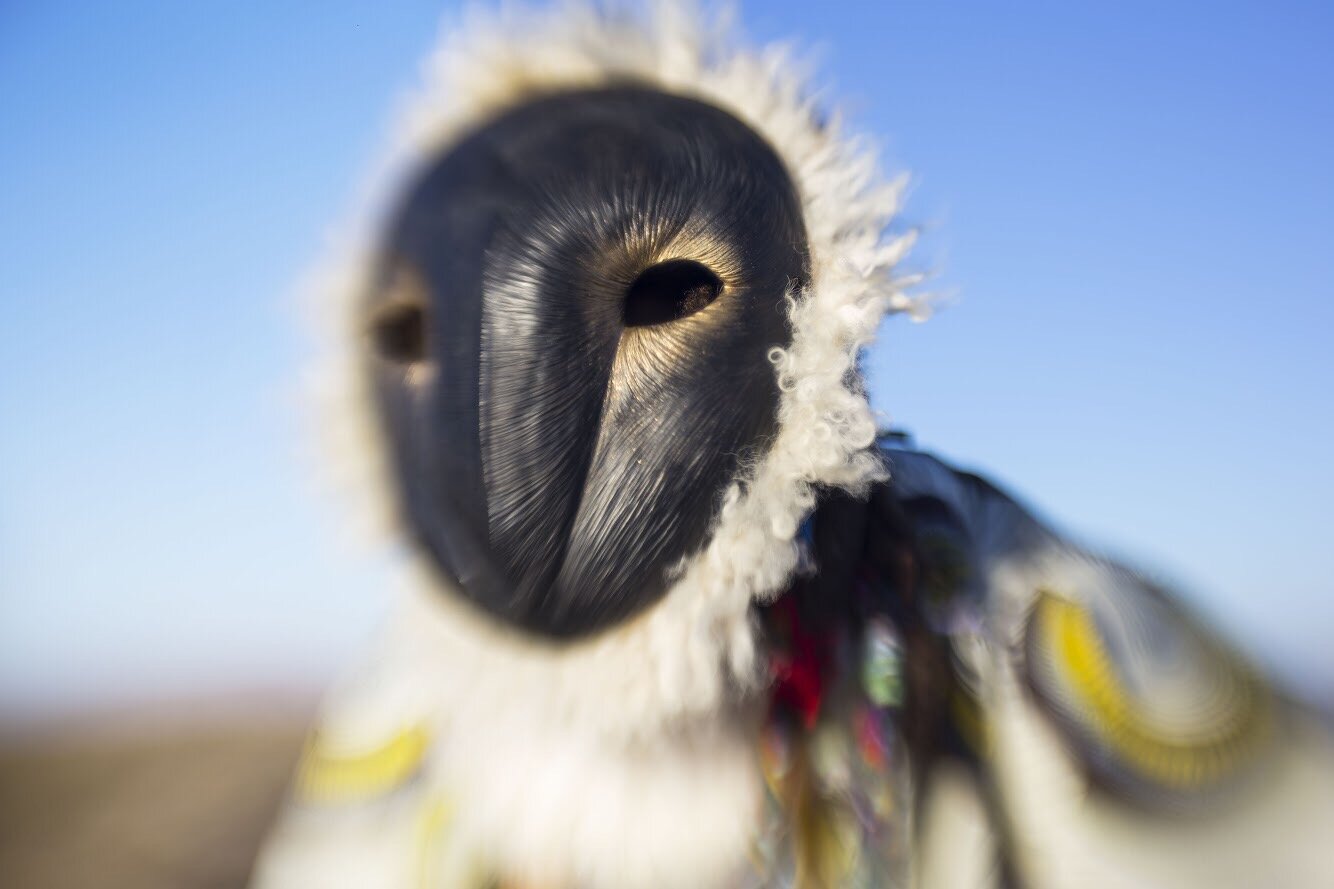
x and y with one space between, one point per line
327 775
1072 638
435 819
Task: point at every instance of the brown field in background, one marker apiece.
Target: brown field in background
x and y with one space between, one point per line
146 802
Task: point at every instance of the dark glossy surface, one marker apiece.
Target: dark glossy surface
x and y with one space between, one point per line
571 328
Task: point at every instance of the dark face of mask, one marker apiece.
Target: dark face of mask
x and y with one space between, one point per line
569 337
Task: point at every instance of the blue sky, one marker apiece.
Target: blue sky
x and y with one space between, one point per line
1129 205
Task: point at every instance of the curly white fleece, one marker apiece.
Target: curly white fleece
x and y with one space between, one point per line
676 661
606 759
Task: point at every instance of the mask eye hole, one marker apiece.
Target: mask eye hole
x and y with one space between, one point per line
670 291
398 332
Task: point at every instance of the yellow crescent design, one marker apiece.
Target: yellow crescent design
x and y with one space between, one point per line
328 775
1070 637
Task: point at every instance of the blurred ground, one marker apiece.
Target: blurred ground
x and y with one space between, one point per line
143 802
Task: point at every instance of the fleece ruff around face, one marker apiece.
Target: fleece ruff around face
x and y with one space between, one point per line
678 662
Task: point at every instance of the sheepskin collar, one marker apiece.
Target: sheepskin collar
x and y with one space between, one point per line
693 655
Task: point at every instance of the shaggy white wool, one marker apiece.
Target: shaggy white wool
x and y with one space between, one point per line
677 661
605 758
560 803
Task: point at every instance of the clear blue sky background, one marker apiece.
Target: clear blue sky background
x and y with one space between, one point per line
1130 202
